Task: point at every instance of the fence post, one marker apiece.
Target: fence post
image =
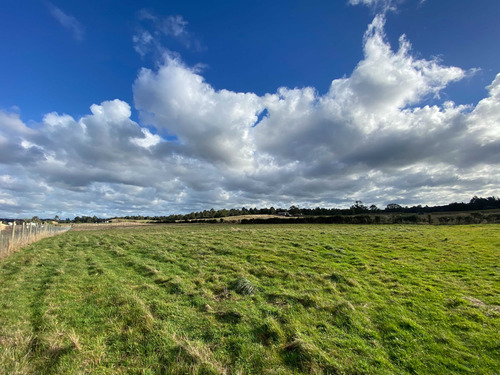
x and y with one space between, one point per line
23 236
11 242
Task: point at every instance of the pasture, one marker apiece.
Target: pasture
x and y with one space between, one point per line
254 299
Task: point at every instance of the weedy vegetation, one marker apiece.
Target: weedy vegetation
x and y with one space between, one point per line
254 299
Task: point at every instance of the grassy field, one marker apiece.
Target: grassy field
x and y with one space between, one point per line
234 299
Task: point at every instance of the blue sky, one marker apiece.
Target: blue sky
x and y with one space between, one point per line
246 46
176 85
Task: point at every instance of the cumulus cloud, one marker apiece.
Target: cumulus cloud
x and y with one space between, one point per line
367 138
67 21
214 126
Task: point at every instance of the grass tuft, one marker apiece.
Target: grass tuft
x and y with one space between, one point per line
75 341
244 286
269 332
307 357
338 278
232 317
195 358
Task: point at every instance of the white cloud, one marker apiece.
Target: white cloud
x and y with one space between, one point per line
385 81
174 25
143 42
377 5
156 33
148 141
484 119
367 138
365 2
67 21
214 126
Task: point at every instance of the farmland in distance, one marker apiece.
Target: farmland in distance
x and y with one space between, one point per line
254 299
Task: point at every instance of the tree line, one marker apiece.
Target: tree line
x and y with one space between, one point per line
357 208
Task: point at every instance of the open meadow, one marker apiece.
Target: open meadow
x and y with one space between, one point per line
254 299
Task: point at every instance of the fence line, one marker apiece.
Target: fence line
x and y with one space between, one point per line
13 237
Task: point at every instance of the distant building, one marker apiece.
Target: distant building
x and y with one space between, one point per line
283 213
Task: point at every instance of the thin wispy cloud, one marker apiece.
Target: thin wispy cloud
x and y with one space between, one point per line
67 21
379 6
155 33
175 25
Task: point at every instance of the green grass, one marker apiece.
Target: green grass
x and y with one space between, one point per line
284 299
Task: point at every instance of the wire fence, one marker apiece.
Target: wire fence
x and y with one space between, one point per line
13 237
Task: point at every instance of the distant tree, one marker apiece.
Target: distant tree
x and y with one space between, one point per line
358 207
392 207
477 203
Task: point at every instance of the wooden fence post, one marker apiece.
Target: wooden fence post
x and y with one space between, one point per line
11 243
